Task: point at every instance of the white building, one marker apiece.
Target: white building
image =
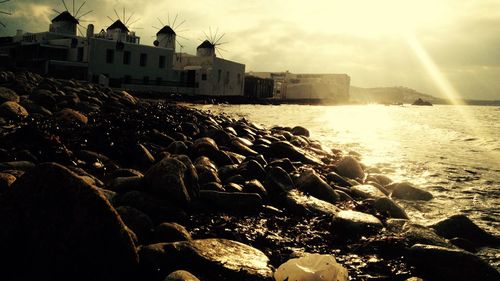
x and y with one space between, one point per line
116 55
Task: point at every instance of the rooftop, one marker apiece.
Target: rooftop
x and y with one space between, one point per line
65 16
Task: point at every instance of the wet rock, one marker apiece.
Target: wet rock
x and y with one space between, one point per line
301 204
255 186
278 182
227 171
252 170
16 165
283 149
161 138
69 115
349 167
181 275
233 187
8 95
385 205
207 174
381 179
125 184
215 186
300 131
238 146
6 180
206 147
170 232
141 156
64 227
211 257
137 221
177 147
464 244
156 209
12 110
205 161
235 157
419 234
407 191
354 224
311 267
285 164
171 179
440 263
234 202
337 179
461 226
127 99
314 185
366 191
44 98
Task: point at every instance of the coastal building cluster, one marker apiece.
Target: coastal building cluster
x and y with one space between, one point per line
115 57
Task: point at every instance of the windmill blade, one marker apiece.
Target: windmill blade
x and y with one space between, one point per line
223 43
79 31
123 13
84 14
73 7
210 38
116 13
179 36
134 21
56 11
5 13
154 28
206 36
129 18
112 20
82 26
81 6
175 19
220 38
86 20
179 25
160 21
224 50
66 7
4 1
218 52
1 23
215 35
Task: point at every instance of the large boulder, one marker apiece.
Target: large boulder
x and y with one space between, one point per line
349 167
367 191
69 115
278 182
12 110
137 221
440 263
407 191
207 257
387 206
170 232
300 131
309 182
354 224
181 275
301 204
63 227
172 179
462 227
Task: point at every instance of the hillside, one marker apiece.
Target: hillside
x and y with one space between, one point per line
389 95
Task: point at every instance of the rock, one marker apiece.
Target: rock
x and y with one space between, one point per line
284 163
170 232
309 182
6 180
12 110
227 171
234 202
462 227
440 263
381 179
311 267
64 227
206 147
283 149
137 221
233 187
16 165
157 209
419 234
177 147
69 115
210 257
161 138
127 99
212 186
181 275
44 98
349 167
170 179
239 146
125 184
337 179
367 191
252 170
141 156
407 191
207 174
254 186
301 204
8 95
300 131
354 224
385 205
278 182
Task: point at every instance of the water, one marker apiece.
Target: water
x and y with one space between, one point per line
452 151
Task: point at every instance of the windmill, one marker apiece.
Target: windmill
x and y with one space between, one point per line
211 44
68 21
167 36
4 12
123 22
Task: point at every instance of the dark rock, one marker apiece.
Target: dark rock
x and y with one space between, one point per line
156 209
227 171
462 227
252 170
190 129
464 244
235 157
300 131
161 138
381 179
349 167
137 221
170 232
419 234
206 147
309 182
44 98
366 191
64 227
205 161
215 186
6 180
283 149
385 205
255 186
125 184
177 147
234 202
207 174
285 164
301 204
210 257
407 191
8 95
278 182
141 156
337 179
440 263
181 275
69 115
12 110
233 187
169 179
355 224
16 165
240 147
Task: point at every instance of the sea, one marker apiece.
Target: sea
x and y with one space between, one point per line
453 151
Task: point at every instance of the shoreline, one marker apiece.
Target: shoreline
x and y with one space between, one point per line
170 186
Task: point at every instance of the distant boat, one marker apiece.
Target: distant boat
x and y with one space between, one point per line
420 101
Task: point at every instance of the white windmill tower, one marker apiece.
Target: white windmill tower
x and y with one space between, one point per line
210 47
67 22
121 28
167 36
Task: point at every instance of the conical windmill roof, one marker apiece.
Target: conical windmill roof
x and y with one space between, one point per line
118 24
206 45
166 30
65 16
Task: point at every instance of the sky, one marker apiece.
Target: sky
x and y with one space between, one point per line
446 48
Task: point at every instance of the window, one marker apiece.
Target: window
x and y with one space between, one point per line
110 56
126 57
145 80
144 59
219 74
79 55
161 63
204 77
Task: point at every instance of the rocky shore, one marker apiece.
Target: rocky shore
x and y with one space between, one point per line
96 184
